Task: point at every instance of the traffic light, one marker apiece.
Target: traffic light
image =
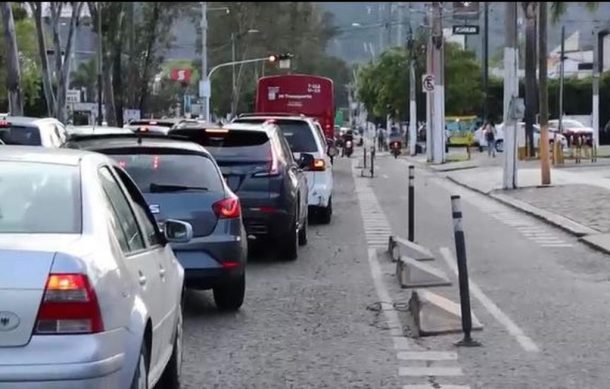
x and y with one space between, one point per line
280 57
466 9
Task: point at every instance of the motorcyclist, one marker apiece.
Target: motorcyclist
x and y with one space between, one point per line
349 135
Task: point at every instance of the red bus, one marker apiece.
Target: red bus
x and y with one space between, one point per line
299 94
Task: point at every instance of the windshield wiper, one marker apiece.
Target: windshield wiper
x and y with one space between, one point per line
158 188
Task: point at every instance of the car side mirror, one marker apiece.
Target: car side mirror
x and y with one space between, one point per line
177 231
305 161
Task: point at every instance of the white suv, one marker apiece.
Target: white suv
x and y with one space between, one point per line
304 137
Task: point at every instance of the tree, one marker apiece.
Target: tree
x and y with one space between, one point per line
13 75
383 87
55 88
529 9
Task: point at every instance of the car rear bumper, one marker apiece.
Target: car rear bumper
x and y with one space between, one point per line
203 258
66 361
263 225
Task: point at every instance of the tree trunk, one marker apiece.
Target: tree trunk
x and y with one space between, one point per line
13 74
64 71
117 79
149 49
44 60
544 96
530 74
108 91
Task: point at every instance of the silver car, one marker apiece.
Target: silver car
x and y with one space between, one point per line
90 290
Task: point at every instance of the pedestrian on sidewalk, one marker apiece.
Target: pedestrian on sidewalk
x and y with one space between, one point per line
490 137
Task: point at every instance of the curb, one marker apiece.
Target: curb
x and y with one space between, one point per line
558 221
599 247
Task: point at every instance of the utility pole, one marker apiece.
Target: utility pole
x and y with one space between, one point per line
561 74
438 129
486 61
399 41
204 88
545 169
429 97
380 15
596 71
233 84
511 91
412 102
99 63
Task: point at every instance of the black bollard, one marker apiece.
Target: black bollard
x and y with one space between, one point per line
411 203
460 249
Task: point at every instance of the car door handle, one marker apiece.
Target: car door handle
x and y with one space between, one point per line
142 279
162 272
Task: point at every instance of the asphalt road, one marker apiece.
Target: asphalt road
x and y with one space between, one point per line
550 286
304 324
541 297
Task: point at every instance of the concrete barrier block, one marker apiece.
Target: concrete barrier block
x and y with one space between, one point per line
434 314
414 274
413 250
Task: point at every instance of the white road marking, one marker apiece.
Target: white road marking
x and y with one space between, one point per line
427 355
385 176
435 386
526 343
377 231
430 371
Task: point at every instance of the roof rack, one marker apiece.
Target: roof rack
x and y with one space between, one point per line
137 135
244 115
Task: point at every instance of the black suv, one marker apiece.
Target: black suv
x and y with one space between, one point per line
259 167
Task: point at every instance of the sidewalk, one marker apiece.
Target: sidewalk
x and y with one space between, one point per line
578 201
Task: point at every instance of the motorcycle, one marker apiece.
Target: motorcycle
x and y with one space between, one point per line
348 149
395 148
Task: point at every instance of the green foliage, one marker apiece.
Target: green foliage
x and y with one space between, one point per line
383 86
25 30
300 28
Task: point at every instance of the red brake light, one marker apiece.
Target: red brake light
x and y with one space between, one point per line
272 166
228 208
230 264
69 306
318 165
4 124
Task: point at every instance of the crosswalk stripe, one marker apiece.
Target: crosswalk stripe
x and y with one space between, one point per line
429 371
436 386
427 355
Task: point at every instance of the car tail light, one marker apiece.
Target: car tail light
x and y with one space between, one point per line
230 264
69 306
228 208
272 166
4 124
318 165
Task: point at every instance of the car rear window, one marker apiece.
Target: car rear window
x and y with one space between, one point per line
298 134
187 170
38 198
230 144
20 135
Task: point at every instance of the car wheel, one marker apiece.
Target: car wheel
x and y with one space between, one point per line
290 249
303 232
171 375
500 146
230 297
327 213
140 378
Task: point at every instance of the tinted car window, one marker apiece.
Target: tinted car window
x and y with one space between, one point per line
39 198
297 133
186 170
123 210
20 135
146 219
232 144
